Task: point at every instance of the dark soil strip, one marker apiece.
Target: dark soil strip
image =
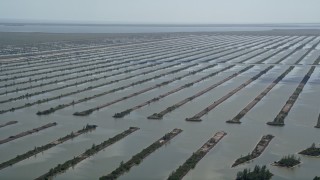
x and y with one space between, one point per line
63 61
26 62
196 157
77 49
318 124
279 120
227 96
257 99
289 54
28 95
47 77
40 149
317 61
49 99
60 168
83 53
8 123
272 54
61 106
127 111
138 158
169 109
244 111
106 63
177 105
102 64
71 93
77 66
11 138
308 51
89 111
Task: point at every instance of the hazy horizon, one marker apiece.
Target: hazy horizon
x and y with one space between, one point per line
54 22
162 12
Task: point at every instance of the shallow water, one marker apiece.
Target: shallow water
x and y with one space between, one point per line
296 135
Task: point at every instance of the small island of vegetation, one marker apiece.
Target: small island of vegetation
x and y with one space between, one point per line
288 161
258 173
257 151
311 151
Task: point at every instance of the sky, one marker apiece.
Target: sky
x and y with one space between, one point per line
162 11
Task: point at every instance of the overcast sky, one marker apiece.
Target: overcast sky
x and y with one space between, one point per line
163 11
